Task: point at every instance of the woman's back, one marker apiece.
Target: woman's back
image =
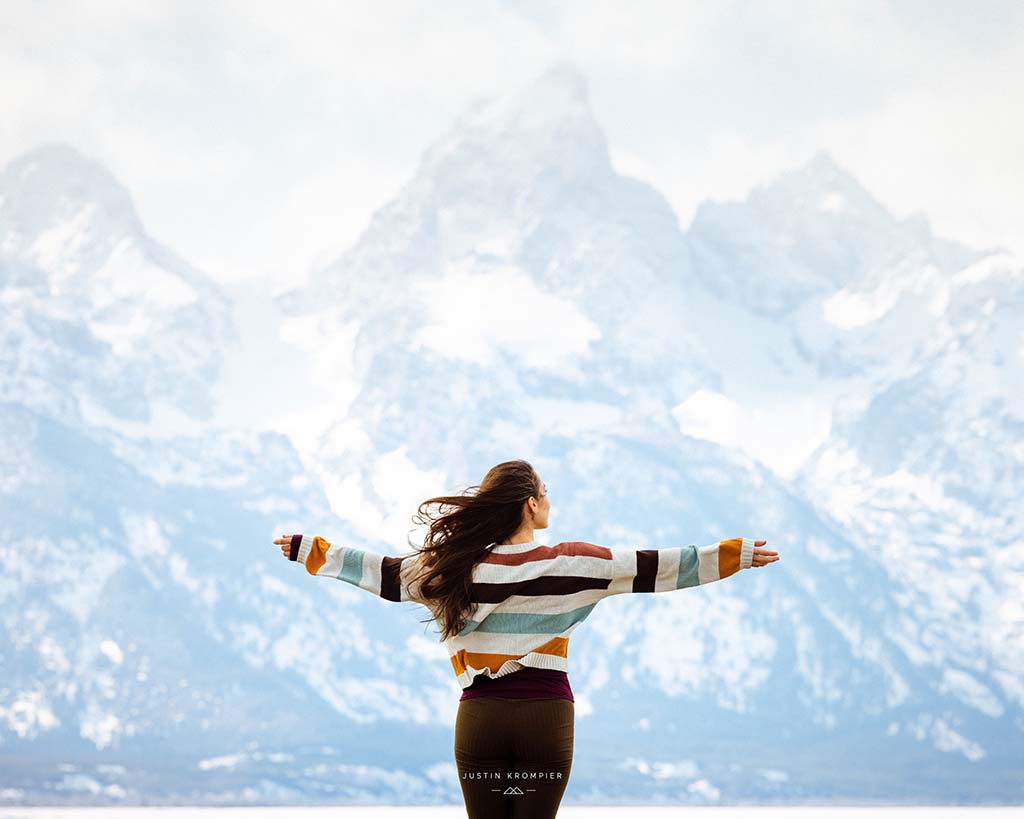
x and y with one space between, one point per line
528 598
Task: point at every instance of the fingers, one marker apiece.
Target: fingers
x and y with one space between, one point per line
762 557
285 542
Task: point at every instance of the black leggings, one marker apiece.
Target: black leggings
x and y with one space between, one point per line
513 756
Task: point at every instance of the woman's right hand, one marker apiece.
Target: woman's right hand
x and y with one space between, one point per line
762 557
285 542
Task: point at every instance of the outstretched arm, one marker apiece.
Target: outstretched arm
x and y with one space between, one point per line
658 570
390 578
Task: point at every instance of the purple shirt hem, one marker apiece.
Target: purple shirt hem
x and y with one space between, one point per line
526 683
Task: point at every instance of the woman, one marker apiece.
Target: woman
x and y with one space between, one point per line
506 606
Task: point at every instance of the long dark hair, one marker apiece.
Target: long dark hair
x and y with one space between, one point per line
483 514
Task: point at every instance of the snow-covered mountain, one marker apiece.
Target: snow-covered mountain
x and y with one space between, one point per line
99 317
928 474
519 298
145 621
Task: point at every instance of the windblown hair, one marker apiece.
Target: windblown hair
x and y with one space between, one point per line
460 538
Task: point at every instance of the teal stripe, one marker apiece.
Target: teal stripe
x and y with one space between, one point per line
352 567
688 564
529 623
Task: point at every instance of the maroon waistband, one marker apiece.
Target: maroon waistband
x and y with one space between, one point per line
526 683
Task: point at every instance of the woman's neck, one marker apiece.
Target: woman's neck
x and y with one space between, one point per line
518 538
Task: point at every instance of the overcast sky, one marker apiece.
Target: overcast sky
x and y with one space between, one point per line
258 137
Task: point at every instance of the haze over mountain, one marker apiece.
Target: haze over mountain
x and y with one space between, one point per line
799 366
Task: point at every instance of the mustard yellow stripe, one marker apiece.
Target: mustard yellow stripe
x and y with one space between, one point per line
558 647
729 556
317 554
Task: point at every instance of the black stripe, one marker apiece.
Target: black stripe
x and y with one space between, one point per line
646 570
294 553
535 587
391 578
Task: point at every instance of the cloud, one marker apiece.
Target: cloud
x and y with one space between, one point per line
257 134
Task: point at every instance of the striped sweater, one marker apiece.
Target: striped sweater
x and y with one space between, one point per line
528 598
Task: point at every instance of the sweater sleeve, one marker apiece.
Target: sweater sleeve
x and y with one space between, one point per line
659 570
391 578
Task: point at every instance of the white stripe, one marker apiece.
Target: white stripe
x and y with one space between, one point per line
707 563
540 603
371 573
747 553
410 586
623 571
668 570
489 642
560 566
534 660
305 544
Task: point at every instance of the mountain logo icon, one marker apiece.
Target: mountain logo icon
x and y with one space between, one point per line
513 790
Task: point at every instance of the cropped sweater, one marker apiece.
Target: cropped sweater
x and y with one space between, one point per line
528 598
